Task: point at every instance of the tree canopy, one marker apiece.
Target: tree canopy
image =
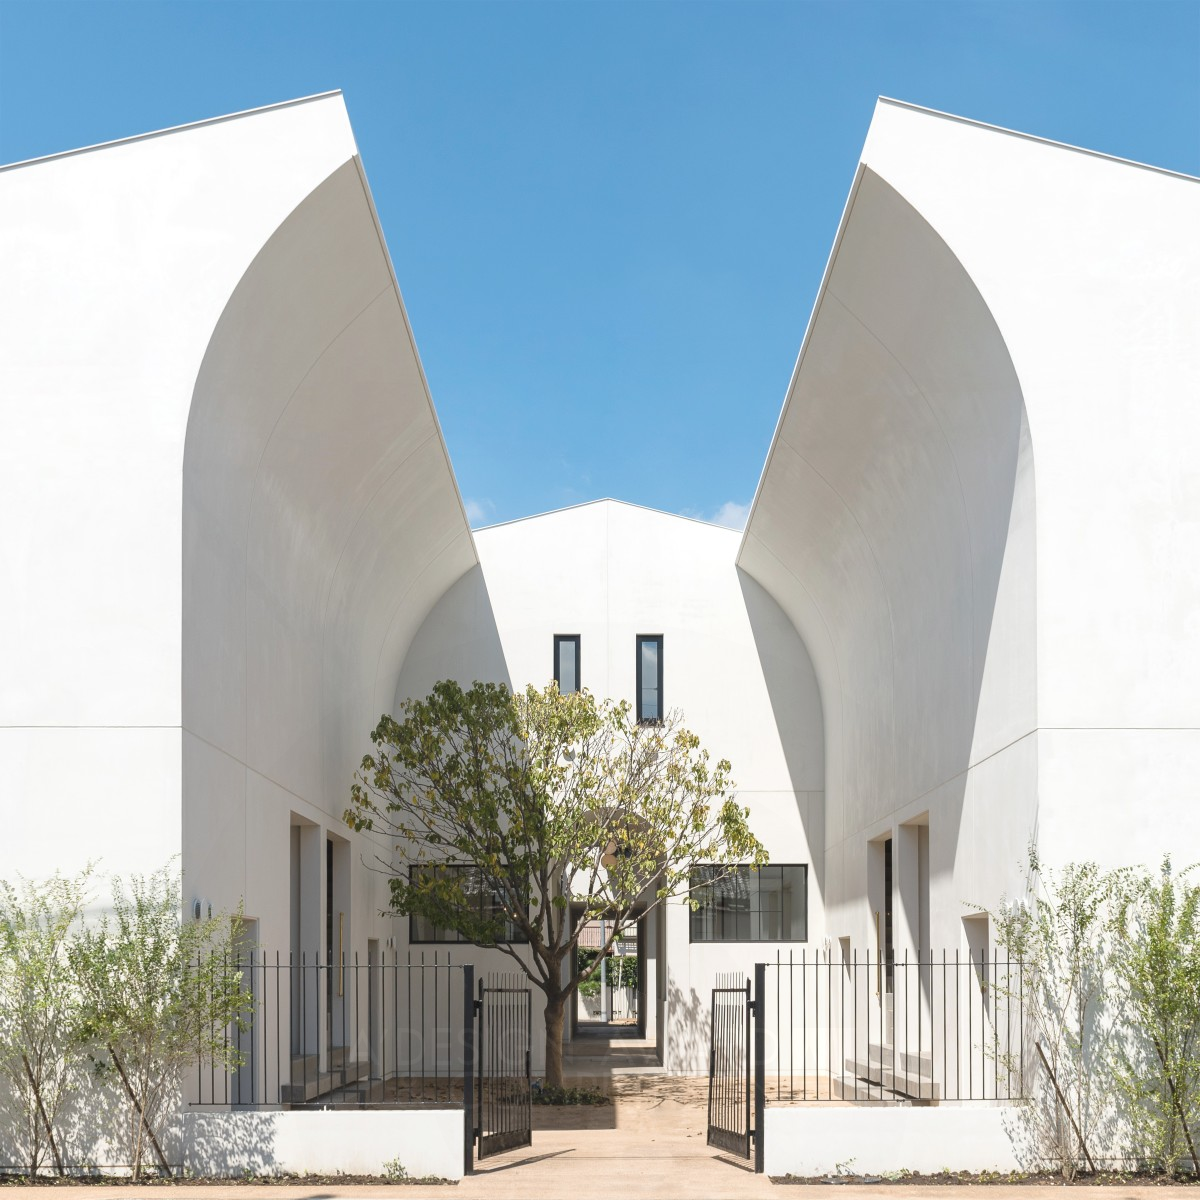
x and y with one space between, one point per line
522 815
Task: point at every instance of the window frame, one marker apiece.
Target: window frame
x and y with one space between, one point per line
560 639
456 939
695 883
640 639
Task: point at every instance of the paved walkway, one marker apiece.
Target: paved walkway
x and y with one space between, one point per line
650 1143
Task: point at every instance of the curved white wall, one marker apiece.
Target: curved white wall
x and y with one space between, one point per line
206 364
321 520
117 263
894 525
1091 268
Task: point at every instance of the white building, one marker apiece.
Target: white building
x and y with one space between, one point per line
232 537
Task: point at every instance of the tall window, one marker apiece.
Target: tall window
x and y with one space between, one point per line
747 905
649 677
470 880
566 662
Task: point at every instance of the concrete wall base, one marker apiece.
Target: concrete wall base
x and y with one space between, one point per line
804 1139
424 1141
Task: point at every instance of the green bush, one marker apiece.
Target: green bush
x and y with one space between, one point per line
566 1095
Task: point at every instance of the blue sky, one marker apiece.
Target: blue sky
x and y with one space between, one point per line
609 220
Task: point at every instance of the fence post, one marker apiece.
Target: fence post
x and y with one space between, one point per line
760 1062
468 1069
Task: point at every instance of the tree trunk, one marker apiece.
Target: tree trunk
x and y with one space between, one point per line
37 1095
140 1124
554 1033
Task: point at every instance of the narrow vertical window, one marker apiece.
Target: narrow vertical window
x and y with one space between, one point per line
649 677
566 662
889 952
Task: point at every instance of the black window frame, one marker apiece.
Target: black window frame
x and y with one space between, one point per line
641 639
560 639
453 938
719 874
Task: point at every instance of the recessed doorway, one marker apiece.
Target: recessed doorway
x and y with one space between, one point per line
611 1000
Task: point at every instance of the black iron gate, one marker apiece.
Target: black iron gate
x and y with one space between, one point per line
736 1095
505 1108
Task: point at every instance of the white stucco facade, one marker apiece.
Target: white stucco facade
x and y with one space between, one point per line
962 615
227 502
732 664
984 448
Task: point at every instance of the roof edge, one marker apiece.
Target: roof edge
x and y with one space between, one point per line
412 343
660 512
789 391
141 137
1033 137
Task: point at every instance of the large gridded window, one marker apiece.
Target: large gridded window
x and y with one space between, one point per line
566 662
649 677
420 929
747 905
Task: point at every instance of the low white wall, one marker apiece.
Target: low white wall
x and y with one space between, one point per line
805 1139
425 1141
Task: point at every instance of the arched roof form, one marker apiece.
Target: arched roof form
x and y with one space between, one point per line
222 491
1090 266
321 515
894 521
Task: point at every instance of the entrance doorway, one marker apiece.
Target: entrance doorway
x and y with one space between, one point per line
611 1000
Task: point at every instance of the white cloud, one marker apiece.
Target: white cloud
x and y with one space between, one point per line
732 515
477 511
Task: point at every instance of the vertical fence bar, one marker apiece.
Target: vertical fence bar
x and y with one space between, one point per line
760 1056
528 1093
842 1040
920 1046
482 1010
468 1059
225 1032
804 1018
854 1019
791 1027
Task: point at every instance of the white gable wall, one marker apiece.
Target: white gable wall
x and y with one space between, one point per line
116 263
893 525
733 665
1091 268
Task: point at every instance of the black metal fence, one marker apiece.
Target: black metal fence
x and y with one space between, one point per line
505 1113
729 1066
383 1033
928 1029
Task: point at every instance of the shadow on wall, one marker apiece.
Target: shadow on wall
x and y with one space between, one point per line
93 1131
458 640
689 1016
216 1146
320 518
895 526
796 704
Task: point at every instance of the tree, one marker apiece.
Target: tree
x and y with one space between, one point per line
39 1005
1058 931
158 994
1157 966
542 801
